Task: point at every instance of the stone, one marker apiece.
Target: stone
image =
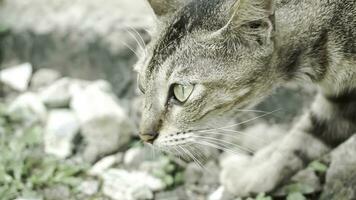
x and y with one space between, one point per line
119 184
134 157
44 77
210 177
192 174
105 126
61 129
89 187
104 164
27 108
217 194
160 166
57 95
341 175
176 194
17 77
306 181
57 192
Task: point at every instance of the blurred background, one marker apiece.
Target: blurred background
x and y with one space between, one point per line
69 111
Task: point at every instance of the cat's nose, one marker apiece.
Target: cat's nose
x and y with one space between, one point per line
149 137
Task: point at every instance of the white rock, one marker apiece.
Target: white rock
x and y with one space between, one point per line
104 124
28 108
135 156
62 126
89 187
105 163
44 77
217 194
57 95
123 185
17 77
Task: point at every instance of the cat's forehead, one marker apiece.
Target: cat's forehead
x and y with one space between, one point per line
198 15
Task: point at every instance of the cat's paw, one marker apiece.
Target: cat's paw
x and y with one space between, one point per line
249 179
261 173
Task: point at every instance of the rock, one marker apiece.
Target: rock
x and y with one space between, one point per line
308 178
134 157
105 126
287 102
176 194
17 77
192 174
61 129
341 175
27 108
44 77
210 178
105 163
78 38
160 166
58 95
217 194
89 187
57 192
123 185
305 182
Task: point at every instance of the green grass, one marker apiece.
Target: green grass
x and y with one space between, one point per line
25 171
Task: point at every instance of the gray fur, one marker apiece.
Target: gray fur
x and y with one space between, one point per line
236 52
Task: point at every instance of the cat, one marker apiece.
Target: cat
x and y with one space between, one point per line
212 58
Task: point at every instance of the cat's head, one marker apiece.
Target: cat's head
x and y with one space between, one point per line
211 58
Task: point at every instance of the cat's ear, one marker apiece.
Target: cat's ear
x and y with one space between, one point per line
254 17
166 7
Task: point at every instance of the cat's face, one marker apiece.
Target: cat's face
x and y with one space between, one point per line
207 63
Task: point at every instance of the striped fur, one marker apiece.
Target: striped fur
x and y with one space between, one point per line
235 53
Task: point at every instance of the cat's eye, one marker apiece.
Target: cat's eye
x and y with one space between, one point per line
182 92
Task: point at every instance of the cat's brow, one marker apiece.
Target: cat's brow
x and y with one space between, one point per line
188 19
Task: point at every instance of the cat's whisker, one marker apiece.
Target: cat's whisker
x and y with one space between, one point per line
246 121
137 41
149 32
254 111
200 156
225 142
131 49
191 155
141 43
235 137
238 135
217 146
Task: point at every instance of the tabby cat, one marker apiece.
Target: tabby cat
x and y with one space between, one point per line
213 58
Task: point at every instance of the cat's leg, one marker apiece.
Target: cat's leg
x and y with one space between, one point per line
330 121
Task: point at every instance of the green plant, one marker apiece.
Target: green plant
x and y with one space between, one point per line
24 168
